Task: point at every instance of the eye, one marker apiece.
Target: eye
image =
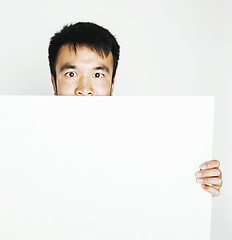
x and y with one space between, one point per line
71 74
97 75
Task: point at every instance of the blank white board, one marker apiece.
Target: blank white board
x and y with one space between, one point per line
104 167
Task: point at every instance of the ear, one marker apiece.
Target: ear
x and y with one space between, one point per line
54 85
112 87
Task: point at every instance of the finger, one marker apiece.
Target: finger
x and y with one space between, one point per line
210 164
208 173
218 185
210 180
214 191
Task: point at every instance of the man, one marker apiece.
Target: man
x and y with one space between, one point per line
83 59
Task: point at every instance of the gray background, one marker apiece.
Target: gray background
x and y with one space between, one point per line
167 48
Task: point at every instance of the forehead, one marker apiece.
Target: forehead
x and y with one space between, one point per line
83 56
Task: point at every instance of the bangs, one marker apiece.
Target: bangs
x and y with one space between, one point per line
102 51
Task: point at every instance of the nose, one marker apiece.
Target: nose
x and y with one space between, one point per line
84 89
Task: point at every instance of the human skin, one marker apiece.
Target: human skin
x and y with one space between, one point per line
210 174
85 73
76 74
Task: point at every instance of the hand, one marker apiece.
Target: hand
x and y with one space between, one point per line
208 174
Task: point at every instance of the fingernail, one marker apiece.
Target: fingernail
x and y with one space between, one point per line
203 167
198 174
199 180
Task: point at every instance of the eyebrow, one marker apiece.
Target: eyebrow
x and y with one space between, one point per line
67 66
102 67
70 66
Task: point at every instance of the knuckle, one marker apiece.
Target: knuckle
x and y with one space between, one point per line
219 181
218 193
218 172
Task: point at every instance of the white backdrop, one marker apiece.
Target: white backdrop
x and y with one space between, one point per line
167 48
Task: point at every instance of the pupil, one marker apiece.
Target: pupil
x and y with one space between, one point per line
71 74
97 74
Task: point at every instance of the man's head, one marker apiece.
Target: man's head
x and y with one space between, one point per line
83 59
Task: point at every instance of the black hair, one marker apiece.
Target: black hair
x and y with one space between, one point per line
84 34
